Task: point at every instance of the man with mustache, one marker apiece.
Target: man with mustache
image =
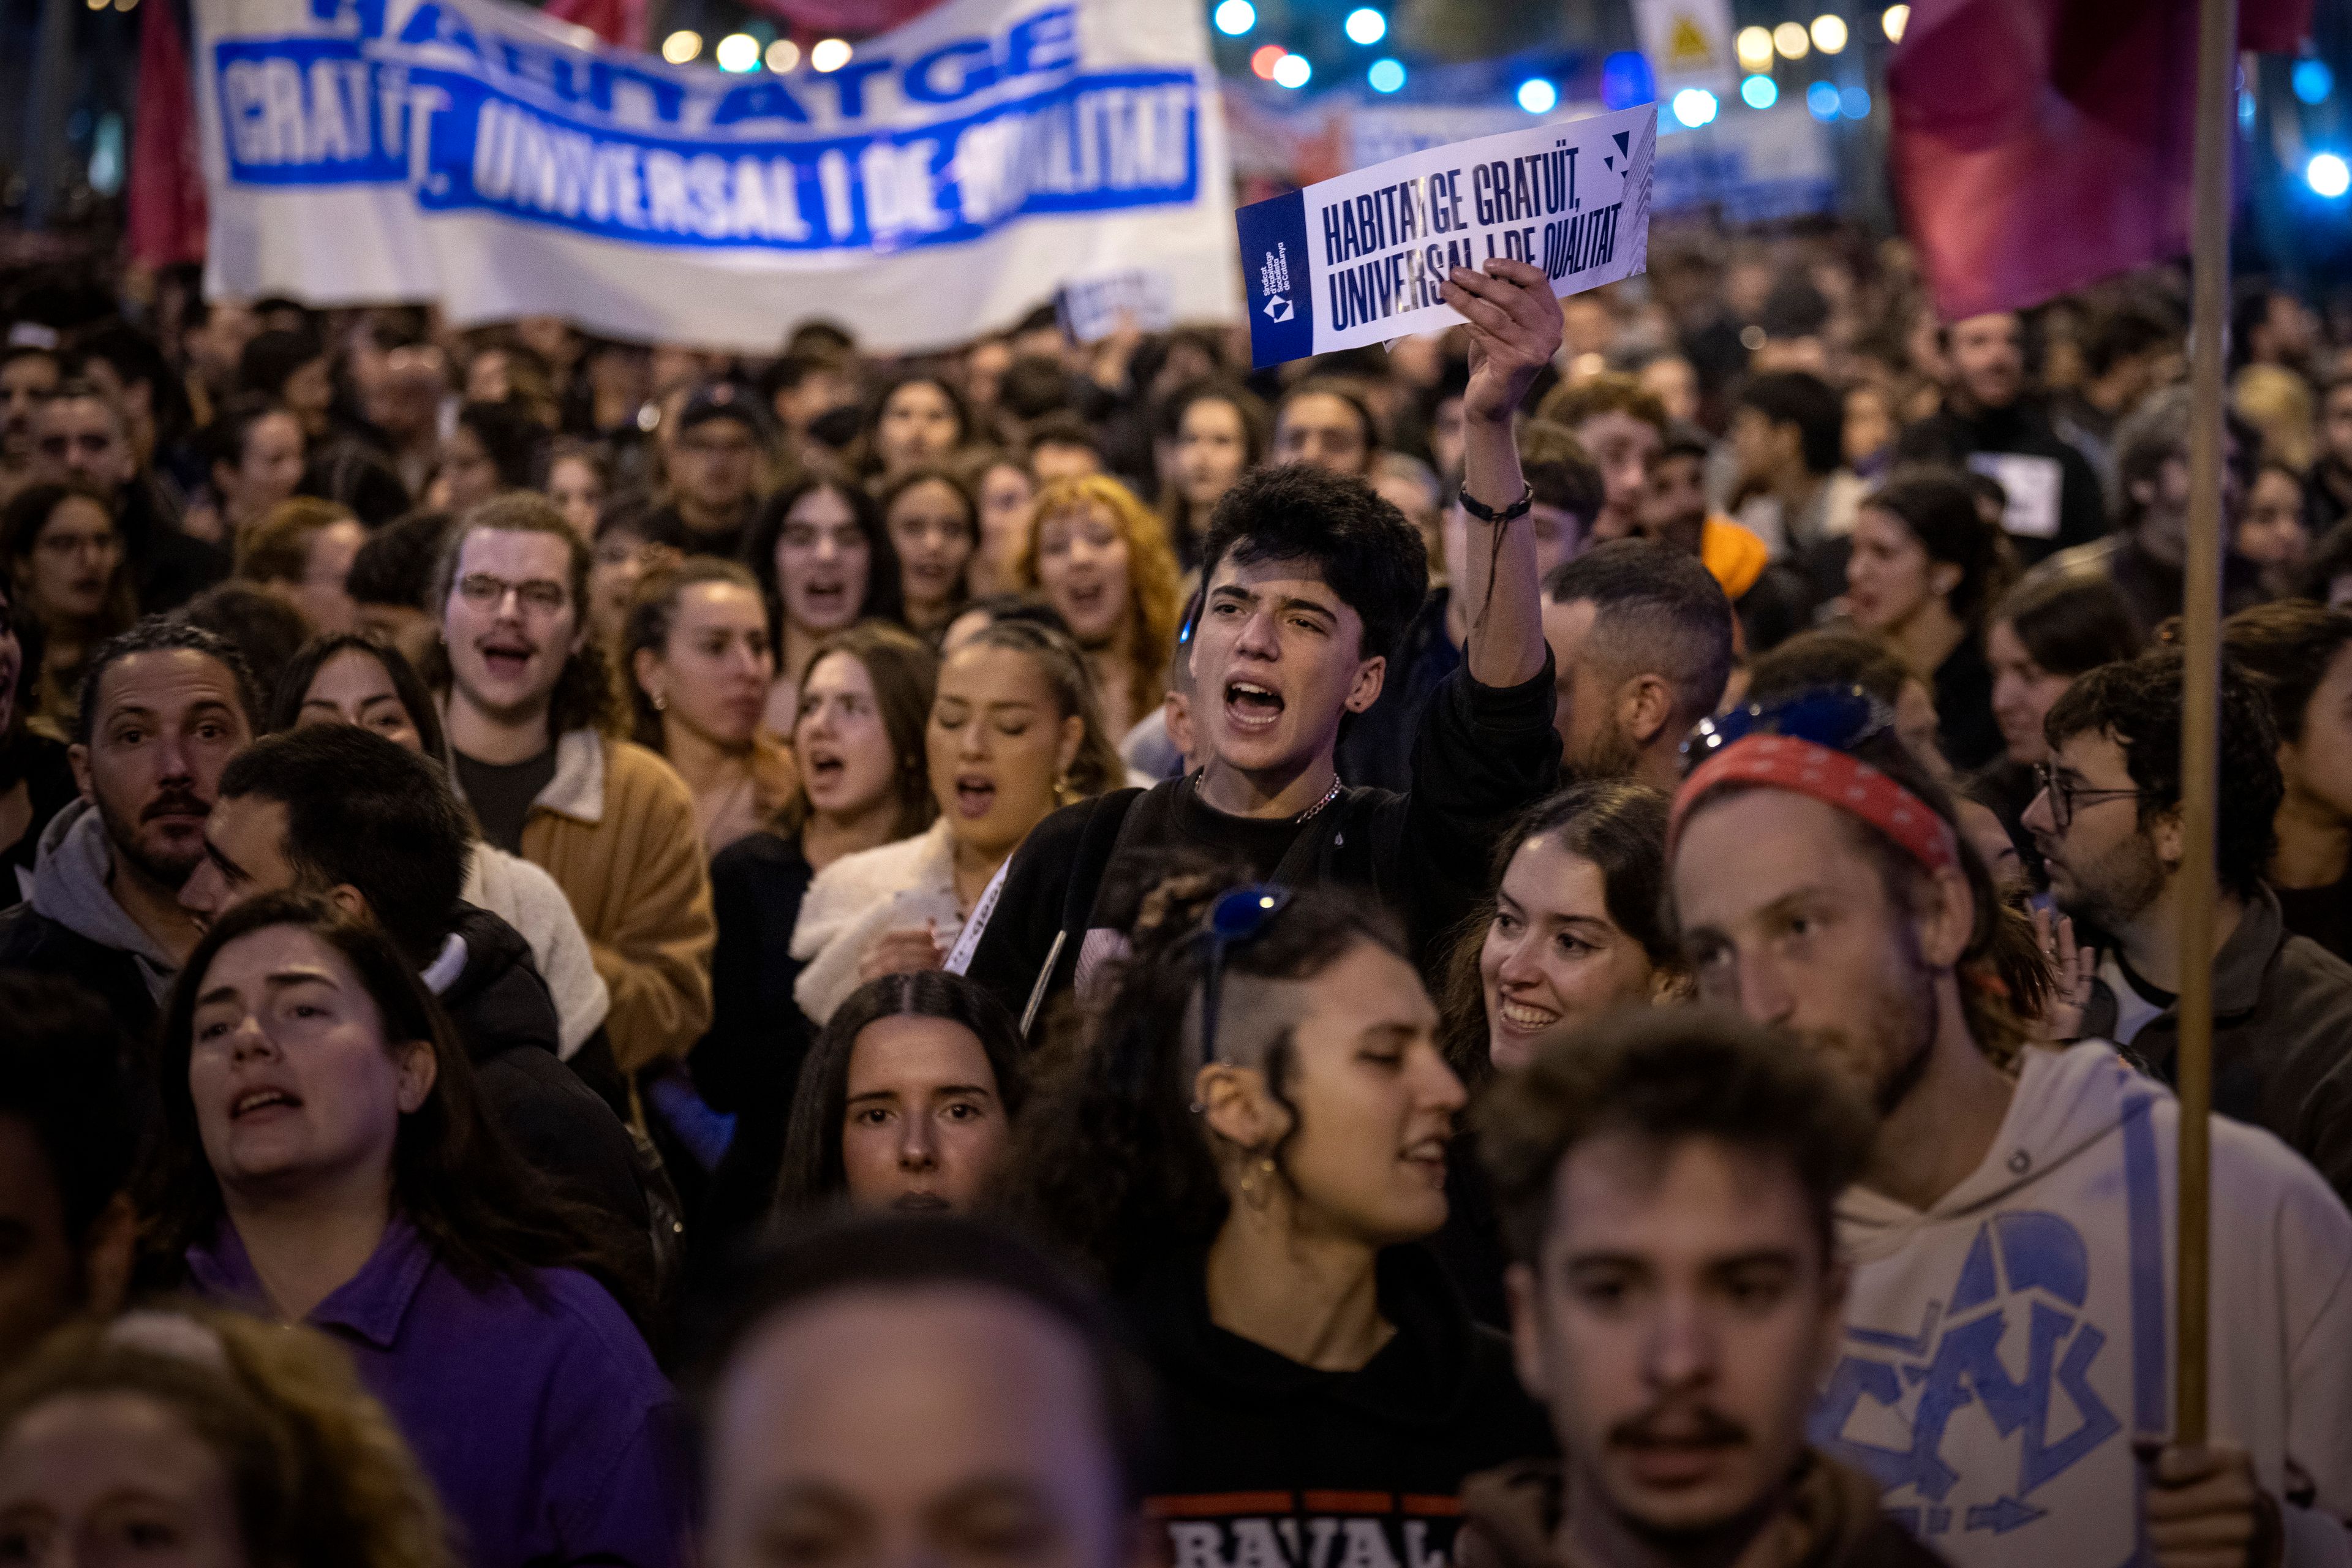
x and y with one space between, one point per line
1668 1181
2005 1374
163 708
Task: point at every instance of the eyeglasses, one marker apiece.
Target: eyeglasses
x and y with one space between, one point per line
1838 717
1237 918
486 592
2065 796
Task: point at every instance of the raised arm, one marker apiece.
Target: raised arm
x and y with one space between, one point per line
1515 325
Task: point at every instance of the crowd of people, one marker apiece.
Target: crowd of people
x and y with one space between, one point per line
1552 947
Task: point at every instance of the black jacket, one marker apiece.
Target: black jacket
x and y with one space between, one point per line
1256 1447
35 943
168 567
2026 429
750 1061
506 1022
1483 756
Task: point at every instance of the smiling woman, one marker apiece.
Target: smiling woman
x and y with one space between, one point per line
1573 930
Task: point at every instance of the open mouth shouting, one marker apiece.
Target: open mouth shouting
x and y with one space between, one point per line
506 659
823 767
825 600
975 794
1252 708
263 1103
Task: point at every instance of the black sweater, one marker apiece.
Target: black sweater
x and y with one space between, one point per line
1265 1462
1483 756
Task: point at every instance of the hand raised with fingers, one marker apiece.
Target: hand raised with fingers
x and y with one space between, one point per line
1515 327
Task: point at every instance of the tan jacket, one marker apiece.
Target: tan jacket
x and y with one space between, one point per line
615 828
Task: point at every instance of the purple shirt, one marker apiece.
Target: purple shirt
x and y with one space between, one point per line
548 1431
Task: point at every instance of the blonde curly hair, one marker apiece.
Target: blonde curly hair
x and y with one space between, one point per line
317 1468
1154 580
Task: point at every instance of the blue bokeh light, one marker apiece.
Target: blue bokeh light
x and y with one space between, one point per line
1822 98
1366 26
1386 76
1625 80
2328 175
1234 17
1537 96
1760 92
1855 101
2313 80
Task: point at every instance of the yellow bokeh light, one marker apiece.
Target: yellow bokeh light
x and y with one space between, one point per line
1789 39
681 46
1755 48
1897 17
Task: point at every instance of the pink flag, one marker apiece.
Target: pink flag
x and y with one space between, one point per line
165 196
2040 145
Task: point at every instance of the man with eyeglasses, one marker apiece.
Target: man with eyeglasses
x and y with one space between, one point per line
529 712
81 434
2004 1372
716 463
28 378
2107 822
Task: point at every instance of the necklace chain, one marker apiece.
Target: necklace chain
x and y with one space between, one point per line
1304 817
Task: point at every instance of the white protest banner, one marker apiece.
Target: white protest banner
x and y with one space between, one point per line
1358 260
1092 309
483 156
1688 43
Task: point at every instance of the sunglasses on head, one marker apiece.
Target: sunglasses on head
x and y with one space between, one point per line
1838 717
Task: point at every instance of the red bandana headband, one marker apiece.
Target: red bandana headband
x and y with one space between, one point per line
1784 761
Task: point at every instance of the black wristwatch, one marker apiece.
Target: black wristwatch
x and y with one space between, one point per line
1511 513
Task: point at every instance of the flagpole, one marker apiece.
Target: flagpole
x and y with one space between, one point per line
2201 705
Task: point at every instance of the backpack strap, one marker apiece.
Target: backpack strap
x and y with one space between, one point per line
1098 843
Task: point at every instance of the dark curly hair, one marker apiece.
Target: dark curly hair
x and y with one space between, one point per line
454 1176
1109 1158
2137 702
1361 543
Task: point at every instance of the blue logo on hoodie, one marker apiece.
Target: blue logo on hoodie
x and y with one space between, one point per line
2026 1269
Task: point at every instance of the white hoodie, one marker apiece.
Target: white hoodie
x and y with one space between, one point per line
2004 1349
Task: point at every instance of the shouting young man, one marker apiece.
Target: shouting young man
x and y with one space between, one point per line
1309 578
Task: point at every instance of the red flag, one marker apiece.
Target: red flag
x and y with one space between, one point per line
2040 145
621 23
165 197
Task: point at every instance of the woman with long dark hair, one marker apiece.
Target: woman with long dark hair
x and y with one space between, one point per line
907 1102
1248 1146
324 1159
1924 566
1575 928
824 562
860 784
